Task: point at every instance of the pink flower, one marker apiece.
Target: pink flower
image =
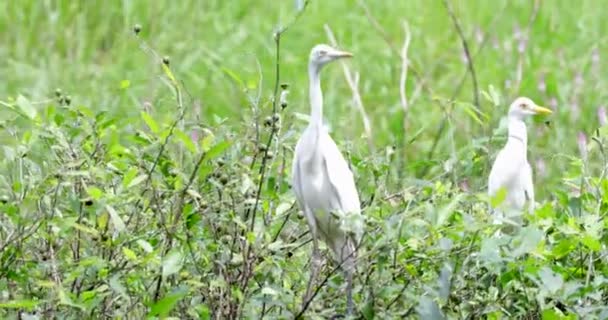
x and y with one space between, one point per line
542 86
464 57
574 110
578 80
517 32
541 167
553 103
582 144
194 136
464 185
478 35
521 47
595 57
495 44
601 115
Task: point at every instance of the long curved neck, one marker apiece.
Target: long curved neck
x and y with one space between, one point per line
316 96
517 131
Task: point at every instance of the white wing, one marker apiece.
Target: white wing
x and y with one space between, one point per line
503 172
340 177
528 185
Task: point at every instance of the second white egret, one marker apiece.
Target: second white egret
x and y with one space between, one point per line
511 174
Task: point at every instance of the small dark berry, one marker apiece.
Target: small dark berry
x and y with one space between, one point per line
289 254
166 60
58 92
88 202
262 148
283 105
67 100
137 28
223 179
268 121
276 117
284 86
221 162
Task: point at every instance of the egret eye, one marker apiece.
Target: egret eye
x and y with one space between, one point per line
322 53
523 106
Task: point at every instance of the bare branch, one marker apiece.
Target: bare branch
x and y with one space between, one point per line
353 86
404 69
467 52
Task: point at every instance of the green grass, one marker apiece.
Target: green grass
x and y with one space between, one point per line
64 167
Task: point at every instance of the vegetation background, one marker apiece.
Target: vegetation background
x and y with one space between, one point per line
135 186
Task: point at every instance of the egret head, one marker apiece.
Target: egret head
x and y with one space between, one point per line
321 54
523 107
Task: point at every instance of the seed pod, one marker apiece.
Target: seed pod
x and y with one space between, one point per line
268 121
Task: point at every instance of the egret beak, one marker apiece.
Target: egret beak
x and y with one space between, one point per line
541 110
340 54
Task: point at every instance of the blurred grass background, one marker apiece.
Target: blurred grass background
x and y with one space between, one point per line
87 49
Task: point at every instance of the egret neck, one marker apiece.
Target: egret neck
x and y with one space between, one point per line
316 97
517 132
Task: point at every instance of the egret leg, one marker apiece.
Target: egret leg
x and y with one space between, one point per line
349 293
315 264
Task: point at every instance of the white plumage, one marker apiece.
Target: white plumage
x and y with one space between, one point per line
511 171
323 183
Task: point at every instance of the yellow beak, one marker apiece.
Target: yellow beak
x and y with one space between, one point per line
340 54
541 110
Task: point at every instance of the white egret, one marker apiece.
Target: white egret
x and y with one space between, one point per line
323 183
511 172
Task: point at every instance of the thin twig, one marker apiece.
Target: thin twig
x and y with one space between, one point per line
275 100
376 25
404 69
456 91
356 95
467 52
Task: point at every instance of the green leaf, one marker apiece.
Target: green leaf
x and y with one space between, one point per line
102 220
172 263
129 254
95 192
563 247
137 180
26 107
116 219
84 228
145 245
217 149
232 75
124 84
207 141
129 176
269 291
186 140
166 304
150 122
446 212
550 280
528 239
591 243
499 197
19 304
